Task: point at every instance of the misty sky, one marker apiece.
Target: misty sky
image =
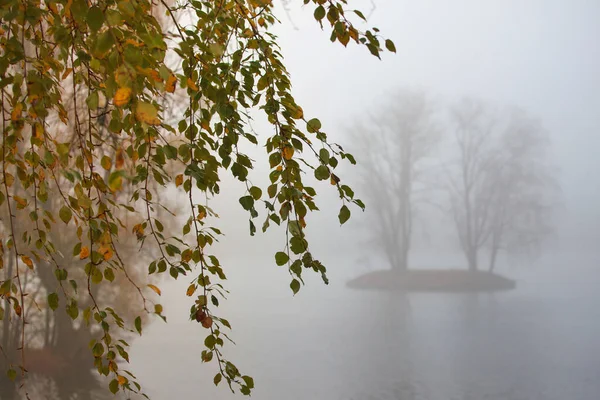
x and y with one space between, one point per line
541 55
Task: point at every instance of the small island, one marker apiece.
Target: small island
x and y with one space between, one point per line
440 280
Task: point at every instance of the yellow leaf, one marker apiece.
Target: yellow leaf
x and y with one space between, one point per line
146 112
39 131
298 113
21 202
27 261
178 180
171 83
9 179
288 152
156 289
84 253
186 256
201 215
122 96
192 85
106 163
122 380
16 112
190 290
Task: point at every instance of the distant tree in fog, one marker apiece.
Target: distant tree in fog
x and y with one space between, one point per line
499 182
396 142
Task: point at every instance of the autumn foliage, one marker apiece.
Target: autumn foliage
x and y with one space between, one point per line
107 103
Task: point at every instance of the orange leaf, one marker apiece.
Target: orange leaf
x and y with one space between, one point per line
156 289
16 112
84 253
119 159
27 261
66 73
192 85
178 180
190 290
21 202
171 83
122 96
288 152
138 230
106 252
121 379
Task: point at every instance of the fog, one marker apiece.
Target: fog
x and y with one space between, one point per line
536 341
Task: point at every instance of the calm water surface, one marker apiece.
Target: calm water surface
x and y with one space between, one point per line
539 341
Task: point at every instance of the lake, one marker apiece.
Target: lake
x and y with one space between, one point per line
539 341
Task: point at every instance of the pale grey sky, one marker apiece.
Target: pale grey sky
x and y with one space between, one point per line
542 55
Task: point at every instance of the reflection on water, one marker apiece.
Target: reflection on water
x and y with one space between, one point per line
537 342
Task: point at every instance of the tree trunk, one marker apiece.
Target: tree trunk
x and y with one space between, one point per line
472 259
493 256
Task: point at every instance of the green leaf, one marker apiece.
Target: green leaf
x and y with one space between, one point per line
65 214
113 386
324 156
319 13
295 228
281 258
12 374
210 341
115 180
247 202
92 101
98 350
344 214
138 325
170 152
360 15
249 381
72 310
217 379
322 173
295 285
313 125
53 301
255 192
390 46
96 275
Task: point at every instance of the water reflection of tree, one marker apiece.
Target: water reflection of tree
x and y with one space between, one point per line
392 319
